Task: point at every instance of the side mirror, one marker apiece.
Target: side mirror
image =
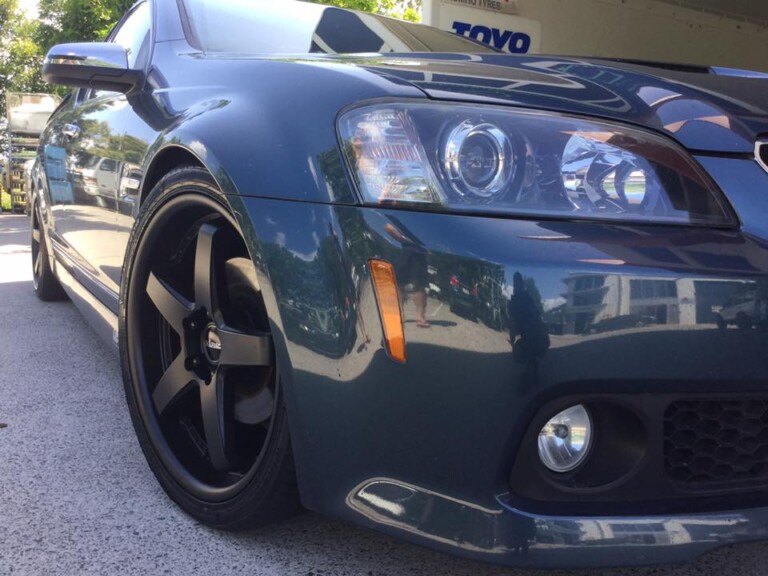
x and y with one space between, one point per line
98 65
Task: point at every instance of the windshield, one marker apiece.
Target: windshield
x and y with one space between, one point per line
288 27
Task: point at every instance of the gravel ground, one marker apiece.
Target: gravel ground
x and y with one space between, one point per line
76 496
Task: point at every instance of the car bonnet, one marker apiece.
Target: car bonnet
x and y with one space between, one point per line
702 111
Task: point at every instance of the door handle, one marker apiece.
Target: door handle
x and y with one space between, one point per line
71 131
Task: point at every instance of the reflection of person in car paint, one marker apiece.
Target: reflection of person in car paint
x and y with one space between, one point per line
527 332
411 269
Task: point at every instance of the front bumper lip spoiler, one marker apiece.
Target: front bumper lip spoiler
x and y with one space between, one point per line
502 534
581 541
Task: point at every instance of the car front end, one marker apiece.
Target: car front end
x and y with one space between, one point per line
515 305
500 423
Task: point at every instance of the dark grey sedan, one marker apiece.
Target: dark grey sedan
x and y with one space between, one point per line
384 272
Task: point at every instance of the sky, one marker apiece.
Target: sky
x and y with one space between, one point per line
29 7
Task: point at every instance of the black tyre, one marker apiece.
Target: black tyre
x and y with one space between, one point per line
46 285
198 362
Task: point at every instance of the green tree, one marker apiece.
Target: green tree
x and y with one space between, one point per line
20 55
364 5
21 65
404 9
7 10
77 20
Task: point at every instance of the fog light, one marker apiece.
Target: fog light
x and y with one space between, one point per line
565 440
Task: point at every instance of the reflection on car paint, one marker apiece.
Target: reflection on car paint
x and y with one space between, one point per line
59 187
441 518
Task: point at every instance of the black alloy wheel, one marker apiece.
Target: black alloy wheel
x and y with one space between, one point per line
198 360
46 285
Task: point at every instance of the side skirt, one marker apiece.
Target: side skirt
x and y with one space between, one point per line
101 318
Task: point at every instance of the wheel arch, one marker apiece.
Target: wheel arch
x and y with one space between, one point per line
184 149
184 144
166 160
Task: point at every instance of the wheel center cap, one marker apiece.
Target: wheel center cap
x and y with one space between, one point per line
212 344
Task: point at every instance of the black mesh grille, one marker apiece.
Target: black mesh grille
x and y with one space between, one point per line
717 443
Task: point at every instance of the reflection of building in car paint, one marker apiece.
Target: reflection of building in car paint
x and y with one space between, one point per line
56 171
606 302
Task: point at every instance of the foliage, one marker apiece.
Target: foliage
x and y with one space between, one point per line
20 55
24 42
77 20
21 66
5 200
7 10
364 5
403 9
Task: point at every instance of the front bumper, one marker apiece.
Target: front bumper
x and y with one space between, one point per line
507 536
426 450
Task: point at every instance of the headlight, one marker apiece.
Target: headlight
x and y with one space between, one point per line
521 162
478 159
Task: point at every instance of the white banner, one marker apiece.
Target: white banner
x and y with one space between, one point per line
503 6
503 31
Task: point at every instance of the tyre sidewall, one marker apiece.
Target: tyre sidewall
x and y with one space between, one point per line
47 287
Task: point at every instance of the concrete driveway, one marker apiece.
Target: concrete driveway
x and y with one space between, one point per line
76 496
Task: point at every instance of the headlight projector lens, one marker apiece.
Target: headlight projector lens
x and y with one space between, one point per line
478 159
565 440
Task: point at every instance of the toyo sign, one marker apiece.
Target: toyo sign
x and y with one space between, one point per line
515 42
492 22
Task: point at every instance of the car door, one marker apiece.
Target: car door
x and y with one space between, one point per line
87 220
91 135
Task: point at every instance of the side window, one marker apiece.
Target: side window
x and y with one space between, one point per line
133 35
108 165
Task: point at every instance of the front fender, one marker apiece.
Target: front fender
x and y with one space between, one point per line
264 128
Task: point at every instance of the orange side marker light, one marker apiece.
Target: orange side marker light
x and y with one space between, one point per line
388 299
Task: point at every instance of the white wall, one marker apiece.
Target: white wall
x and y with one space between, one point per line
641 29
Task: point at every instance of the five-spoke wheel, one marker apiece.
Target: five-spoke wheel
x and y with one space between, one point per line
199 361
